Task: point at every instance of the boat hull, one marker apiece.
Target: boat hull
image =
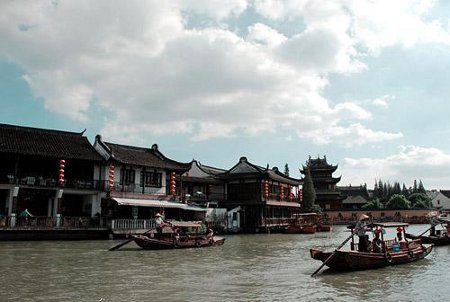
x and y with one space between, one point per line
148 243
436 240
354 260
300 229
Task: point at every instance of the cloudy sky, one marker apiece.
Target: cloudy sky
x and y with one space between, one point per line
363 82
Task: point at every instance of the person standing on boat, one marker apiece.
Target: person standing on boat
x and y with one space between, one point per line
434 222
159 223
360 229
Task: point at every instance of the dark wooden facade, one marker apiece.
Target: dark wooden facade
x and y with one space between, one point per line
267 198
30 172
202 185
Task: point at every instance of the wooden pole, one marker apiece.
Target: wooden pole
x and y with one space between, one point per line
332 255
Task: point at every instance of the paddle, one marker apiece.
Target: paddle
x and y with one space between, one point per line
425 231
331 256
124 243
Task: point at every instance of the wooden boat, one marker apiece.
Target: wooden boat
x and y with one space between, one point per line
304 223
436 237
301 229
324 228
408 251
183 235
438 240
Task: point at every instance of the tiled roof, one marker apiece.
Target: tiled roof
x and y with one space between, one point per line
45 142
246 169
145 157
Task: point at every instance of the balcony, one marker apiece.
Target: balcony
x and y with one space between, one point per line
49 182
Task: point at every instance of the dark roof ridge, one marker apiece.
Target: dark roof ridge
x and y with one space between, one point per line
53 131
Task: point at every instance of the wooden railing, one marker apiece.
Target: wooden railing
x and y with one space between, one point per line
132 224
46 222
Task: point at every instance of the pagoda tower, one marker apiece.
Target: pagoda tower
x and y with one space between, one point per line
328 195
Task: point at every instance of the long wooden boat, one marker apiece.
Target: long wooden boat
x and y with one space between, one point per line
303 223
301 229
408 251
180 234
440 240
148 243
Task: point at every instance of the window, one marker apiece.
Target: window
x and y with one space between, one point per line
128 176
151 179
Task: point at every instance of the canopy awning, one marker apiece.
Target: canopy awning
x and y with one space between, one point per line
156 204
283 204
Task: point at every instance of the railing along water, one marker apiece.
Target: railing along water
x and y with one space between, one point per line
132 224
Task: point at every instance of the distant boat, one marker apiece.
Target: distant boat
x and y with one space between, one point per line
436 237
391 252
303 223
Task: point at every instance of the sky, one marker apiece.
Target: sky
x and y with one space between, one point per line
362 82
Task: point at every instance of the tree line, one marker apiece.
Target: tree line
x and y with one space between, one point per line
394 196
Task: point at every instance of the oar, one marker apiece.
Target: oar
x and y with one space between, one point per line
331 256
124 243
120 244
425 231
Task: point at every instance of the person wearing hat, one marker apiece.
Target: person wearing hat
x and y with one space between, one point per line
159 223
360 229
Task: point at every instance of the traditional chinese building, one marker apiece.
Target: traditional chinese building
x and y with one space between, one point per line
266 198
328 195
50 173
141 182
354 197
202 185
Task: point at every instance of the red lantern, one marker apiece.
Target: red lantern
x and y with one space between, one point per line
291 195
172 184
300 195
111 177
62 165
266 189
281 192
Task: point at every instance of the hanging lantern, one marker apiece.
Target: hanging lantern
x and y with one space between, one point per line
281 192
291 195
266 189
209 190
300 195
172 184
62 165
111 177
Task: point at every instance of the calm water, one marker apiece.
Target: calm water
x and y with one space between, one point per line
262 267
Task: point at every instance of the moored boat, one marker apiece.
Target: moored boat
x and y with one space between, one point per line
390 252
303 223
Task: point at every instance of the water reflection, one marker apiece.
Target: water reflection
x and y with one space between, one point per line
262 267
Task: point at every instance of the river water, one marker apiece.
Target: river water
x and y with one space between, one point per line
262 267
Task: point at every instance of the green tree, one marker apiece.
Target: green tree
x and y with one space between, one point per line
286 169
420 201
309 193
414 190
397 202
405 191
373 205
421 188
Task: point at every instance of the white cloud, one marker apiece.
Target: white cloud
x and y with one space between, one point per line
261 33
408 164
383 101
216 9
354 134
141 62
